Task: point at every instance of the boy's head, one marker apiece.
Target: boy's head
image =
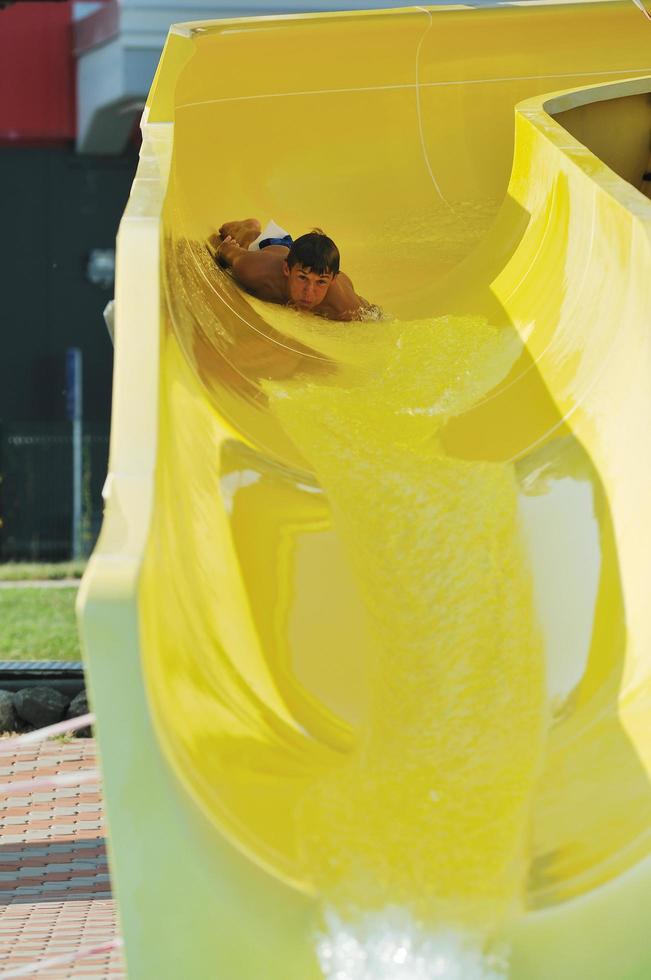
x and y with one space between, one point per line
311 267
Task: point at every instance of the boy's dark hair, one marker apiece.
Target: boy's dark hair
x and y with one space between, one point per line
316 252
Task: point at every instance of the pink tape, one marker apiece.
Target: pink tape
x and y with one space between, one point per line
17 787
82 953
61 727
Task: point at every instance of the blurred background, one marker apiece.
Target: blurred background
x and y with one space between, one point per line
74 77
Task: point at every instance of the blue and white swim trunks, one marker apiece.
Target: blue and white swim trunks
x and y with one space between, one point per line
271 234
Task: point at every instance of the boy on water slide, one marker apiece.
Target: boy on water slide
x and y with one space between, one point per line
303 274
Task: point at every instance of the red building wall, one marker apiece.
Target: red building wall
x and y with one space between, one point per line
37 81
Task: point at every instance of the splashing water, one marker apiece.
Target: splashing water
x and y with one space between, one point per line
429 813
391 946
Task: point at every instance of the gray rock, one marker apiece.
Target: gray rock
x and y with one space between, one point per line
79 706
40 705
8 718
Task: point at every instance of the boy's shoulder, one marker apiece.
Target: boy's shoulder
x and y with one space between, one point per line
263 275
341 302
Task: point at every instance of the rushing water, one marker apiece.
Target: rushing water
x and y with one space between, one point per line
430 812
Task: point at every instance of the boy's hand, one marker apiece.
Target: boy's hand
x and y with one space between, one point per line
213 244
223 249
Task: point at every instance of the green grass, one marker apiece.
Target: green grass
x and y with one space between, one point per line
38 624
16 571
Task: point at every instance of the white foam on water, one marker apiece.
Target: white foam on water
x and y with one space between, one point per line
390 945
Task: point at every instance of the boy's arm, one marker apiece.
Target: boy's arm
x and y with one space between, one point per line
247 267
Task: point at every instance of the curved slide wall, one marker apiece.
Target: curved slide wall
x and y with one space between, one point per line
230 610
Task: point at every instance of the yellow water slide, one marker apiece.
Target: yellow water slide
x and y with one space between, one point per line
367 627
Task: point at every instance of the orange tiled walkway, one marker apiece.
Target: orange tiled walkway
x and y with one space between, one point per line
55 893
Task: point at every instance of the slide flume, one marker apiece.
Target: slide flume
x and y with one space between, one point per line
366 626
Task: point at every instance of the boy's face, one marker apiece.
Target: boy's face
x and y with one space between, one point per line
306 288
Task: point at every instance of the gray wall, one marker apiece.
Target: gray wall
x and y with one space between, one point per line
56 207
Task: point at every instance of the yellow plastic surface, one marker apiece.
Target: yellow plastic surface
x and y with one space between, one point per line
367 623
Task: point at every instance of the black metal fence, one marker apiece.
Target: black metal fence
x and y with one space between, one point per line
36 489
